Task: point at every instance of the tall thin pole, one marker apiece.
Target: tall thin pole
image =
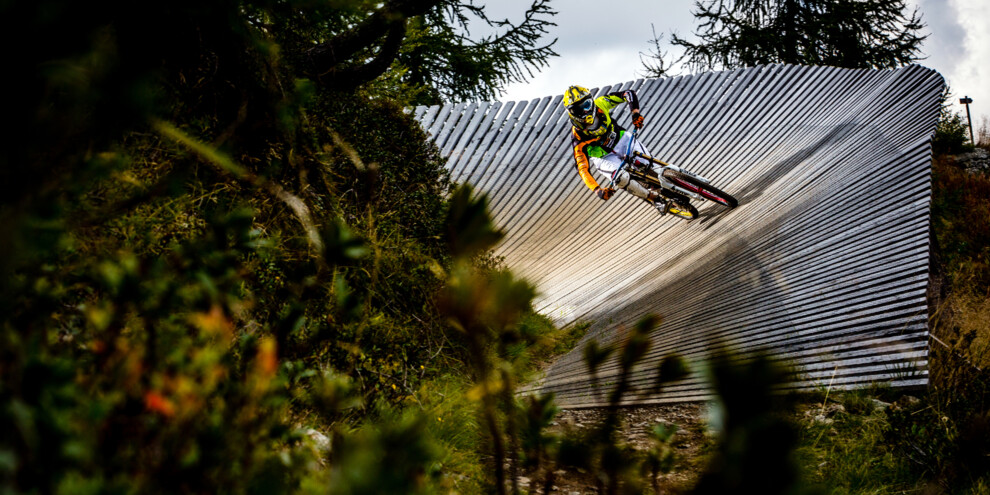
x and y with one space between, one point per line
966 101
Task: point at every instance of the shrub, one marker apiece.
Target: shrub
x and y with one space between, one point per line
951 135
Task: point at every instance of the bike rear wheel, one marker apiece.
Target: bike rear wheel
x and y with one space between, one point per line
701 188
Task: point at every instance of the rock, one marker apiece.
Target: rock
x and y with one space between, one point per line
818 414
822 419
320 441
975 162
906 402
879 404
825 412
833 408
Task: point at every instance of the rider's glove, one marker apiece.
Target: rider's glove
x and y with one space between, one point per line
637 120
604 193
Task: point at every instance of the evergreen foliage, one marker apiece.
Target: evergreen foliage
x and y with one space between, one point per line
416 51
842 33
453 67
215 267
951 132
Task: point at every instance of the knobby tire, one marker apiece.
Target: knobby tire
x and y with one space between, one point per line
691 211
707 191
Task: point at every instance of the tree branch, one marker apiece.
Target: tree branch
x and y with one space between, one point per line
326 58
350 77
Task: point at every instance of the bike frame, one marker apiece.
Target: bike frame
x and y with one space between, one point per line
628 158
670 185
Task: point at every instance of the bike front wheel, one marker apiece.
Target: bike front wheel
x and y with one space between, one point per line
685 211
701 188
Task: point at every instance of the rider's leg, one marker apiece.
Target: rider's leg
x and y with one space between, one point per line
608 164
662 205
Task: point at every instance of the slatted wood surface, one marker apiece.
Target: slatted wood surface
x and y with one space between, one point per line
824 262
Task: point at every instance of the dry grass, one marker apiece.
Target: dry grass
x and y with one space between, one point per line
961 217
964 325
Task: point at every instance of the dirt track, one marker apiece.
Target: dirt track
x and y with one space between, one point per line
690 442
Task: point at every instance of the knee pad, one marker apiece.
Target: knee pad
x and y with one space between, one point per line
621 179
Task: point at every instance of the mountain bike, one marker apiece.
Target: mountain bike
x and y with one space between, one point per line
673 183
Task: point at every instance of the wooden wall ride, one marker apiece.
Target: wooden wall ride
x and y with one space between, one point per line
824 262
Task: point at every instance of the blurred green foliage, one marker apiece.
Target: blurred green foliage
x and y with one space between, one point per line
217 273
757 439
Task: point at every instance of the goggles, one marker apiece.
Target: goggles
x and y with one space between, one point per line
582 108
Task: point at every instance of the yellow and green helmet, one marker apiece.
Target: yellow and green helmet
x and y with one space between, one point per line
580 105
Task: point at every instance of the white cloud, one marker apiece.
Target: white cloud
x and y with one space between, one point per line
945 34
599 44
592 70
971 76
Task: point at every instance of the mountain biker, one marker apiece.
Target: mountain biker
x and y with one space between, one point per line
595 136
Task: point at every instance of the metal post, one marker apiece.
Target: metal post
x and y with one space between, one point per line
966 101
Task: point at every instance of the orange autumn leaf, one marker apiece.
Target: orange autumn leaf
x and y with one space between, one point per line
156 402
213 321
266 362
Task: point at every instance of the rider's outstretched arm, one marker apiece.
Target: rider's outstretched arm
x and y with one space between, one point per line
630 97
584 168
616 98
582 163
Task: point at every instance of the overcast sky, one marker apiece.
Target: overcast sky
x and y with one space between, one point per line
600 43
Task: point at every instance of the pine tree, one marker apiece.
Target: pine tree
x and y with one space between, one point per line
420 50
842 33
